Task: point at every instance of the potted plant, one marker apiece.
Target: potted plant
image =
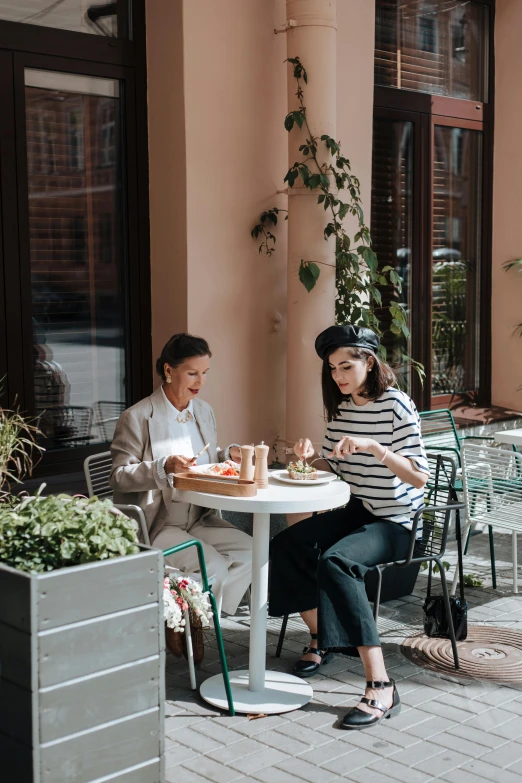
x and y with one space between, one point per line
81 643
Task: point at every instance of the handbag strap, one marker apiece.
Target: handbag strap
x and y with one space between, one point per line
454 499
437 474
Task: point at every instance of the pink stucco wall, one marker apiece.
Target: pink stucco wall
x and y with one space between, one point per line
507 207
217 89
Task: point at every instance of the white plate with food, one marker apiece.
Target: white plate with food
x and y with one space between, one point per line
219 470
298 474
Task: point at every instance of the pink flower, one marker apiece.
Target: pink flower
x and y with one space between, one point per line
173 592
179 600
166 582
184 606
183 584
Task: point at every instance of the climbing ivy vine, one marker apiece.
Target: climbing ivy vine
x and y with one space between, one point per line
359 278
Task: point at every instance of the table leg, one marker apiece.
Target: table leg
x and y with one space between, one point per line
258 609
256 690
515 562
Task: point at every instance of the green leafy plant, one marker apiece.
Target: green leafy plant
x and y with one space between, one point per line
18 448
470 580
39 534
358 275
436 568
515 264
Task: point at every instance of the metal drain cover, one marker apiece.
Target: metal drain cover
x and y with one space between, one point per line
487 654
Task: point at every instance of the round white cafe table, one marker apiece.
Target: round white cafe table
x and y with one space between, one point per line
513 437
256 690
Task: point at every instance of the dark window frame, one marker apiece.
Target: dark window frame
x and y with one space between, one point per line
30 46
425 111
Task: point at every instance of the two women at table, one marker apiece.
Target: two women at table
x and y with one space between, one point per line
160 436
373 442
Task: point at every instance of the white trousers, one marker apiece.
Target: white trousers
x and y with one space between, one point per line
228 557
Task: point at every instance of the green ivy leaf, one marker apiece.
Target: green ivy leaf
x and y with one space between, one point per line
309 274
289 121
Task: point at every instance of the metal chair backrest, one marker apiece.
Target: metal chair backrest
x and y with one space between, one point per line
106 415
439 431
97 470
492 481
436 515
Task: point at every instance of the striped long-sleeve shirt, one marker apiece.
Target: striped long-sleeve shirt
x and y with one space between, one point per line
392 420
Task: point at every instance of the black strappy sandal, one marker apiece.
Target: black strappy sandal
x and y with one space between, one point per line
309 668
359 719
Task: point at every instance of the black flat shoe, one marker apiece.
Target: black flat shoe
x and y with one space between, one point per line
357 719
309 668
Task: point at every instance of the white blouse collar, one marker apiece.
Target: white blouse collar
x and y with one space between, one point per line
179 415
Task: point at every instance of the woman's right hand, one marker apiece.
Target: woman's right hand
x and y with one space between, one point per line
304 448
178 464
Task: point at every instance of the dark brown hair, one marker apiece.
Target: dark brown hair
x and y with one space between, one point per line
379 378
180 347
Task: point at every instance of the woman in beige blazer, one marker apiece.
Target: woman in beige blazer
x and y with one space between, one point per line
158 437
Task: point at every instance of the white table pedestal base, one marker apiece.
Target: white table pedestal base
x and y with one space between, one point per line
282 693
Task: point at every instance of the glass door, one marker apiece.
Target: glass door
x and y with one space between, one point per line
74 342
76 254
456 259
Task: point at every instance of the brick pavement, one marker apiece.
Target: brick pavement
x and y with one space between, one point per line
461 731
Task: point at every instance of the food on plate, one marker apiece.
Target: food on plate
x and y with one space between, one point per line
227 469
300 471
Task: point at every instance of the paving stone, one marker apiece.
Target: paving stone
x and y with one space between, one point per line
448 759
514 706
325 753
460 744
456 714
256 761
484 738
416 754
506 755
302 733
252 727
306 771
492 773
237 750
173 775
199 742
275 775
345 765
429 725
215 731
176 754
398 771
181 722
210 769
511 730
283 742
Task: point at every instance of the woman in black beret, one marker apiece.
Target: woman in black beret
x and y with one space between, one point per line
373 442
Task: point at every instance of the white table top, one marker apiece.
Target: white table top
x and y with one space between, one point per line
278 498
509 436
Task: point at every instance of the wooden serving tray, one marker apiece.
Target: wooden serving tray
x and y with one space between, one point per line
196 483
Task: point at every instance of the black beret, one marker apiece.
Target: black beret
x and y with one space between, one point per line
345 337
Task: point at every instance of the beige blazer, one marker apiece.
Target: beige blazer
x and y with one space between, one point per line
142 437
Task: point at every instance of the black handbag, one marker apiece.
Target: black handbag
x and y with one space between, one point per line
434 609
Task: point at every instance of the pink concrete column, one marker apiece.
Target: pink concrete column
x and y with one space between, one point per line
311 37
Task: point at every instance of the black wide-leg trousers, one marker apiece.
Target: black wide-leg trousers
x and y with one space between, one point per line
321 562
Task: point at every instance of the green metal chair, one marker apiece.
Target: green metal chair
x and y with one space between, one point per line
440 434
208 589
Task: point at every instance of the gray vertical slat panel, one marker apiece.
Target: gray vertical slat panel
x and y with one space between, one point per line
16 761
16 712
161 662
102 698
95 645
15 603
15 655
109 749
70 595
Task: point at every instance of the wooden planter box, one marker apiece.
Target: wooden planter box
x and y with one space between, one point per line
82 672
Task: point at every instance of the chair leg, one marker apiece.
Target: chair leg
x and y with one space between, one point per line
467 540
248 596
492 556
515 561
377 602
465 536
190 651
281 636
221 649
448 614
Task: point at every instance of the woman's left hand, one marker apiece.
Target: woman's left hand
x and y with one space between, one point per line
350 445
235 454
